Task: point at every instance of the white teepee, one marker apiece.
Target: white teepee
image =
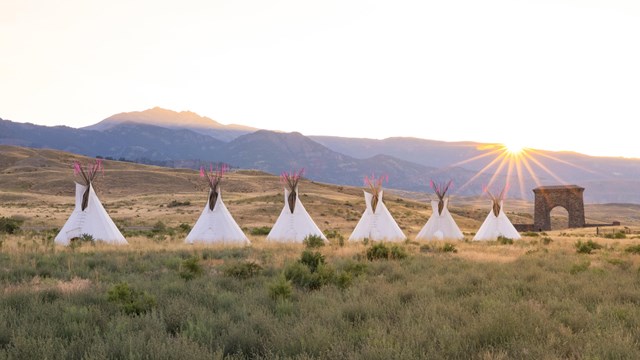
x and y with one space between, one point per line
216 226
89 216
496 224
376 223
440 225
294 223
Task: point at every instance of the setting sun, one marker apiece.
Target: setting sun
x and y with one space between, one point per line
513 148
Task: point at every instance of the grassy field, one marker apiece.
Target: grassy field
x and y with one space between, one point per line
537 298
564 294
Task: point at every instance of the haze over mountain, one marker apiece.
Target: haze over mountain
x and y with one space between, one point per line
185 139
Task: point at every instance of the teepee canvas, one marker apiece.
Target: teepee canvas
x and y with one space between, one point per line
496 224
376 223
294 223
216 225
88 216
440 225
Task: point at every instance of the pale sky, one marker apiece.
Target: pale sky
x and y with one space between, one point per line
487 71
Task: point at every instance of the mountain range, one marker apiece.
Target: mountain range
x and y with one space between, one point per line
185 139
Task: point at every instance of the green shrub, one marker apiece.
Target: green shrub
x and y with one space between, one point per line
344 279
397 252
312 260
280 289
615 235
311 272
378 251
263 230
176 203
313 241
302 276
159 227
130 301
622 264
504 240
335 236
354 268
633 249
586 247
242 270
191 268
185 227
530 234
448 247
547 240
9 225
76 242
331 234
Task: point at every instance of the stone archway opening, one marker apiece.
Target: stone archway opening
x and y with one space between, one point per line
569 197
559 218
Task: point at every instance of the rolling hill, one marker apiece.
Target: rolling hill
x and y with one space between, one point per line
36 185
185 139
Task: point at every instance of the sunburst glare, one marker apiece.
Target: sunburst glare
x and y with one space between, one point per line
513 148
515 166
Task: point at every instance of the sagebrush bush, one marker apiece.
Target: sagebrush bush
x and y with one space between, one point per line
280 289
263 230
377 251
176 203
397 252
335 236
547 240
129 300
242 270
313 241
633 249
448 247
191 268
586 247
184 227
380 251
9 225
504 240
615 235
312 259
302 276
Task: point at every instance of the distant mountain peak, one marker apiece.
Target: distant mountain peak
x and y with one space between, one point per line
170 119
164 117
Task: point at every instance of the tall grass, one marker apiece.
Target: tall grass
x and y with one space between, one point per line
106 303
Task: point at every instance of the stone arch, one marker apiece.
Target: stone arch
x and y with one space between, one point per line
570 197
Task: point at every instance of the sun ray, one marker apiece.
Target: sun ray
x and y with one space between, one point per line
520 178
530 171
564 162
535 161
481 171
498 171
477 157
512 159
517 164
